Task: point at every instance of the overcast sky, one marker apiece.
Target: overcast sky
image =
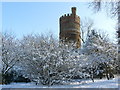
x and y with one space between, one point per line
22 18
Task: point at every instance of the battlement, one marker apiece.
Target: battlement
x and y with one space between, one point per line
68 16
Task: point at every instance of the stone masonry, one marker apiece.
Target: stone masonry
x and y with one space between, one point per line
70 28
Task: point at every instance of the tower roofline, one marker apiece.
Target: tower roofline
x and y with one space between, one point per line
73 9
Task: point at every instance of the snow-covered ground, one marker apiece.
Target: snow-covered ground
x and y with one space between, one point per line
104 83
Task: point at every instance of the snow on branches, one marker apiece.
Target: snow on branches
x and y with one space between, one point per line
46 61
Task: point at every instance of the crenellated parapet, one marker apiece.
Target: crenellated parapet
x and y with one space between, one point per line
69 16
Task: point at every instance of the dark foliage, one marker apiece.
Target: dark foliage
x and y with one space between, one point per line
13 76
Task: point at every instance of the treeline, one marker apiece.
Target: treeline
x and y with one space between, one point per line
42 59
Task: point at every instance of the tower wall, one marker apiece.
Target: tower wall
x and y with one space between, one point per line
70 27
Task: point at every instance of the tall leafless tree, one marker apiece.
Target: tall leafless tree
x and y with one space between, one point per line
112 7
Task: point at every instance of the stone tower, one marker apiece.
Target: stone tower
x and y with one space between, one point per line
70 28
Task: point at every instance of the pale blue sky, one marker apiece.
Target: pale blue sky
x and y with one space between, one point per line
24 18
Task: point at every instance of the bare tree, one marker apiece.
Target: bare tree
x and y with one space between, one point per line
112 7
86 25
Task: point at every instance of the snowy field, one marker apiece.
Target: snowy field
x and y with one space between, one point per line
84 84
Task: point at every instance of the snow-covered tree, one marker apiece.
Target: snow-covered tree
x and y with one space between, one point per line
100 51
47 61
10 55
113 8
